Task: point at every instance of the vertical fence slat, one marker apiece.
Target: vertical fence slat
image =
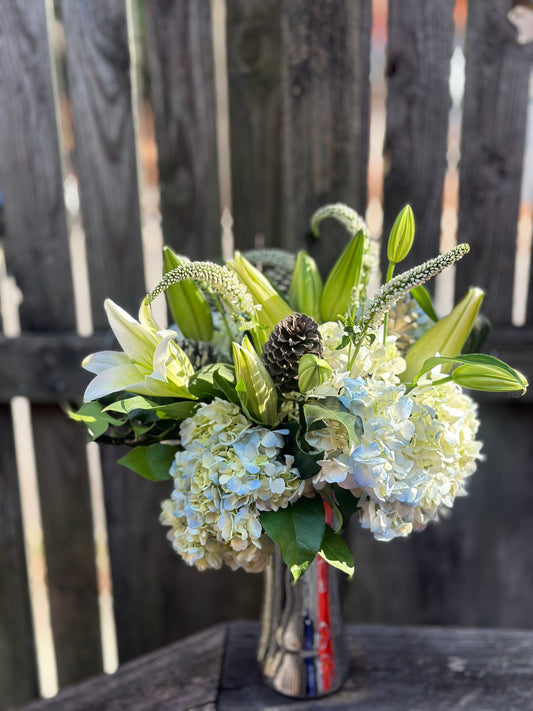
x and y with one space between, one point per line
99 88
30 176
255 53
183 96
98 72
326 120
299 93
70 554
37 254
419 50
492 151
18 678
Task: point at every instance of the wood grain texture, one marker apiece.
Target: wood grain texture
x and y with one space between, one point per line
492 151
181 677
100 93
399 669
419 50
255 53
326 117
36 244
68 541
183 99
157 597
18 676
392 669
473 568
298 83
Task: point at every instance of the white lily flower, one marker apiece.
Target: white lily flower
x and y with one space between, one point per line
151 362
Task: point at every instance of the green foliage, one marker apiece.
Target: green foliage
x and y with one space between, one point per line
151 462
298 530
422 297
335 552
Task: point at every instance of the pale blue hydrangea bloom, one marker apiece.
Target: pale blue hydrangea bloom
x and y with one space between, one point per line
416 449
227 473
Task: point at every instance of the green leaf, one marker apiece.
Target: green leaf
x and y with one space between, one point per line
298 530
474 358
152 462
179 410
207 382
305 458
421 295
93 415
331 408
335 552
346 503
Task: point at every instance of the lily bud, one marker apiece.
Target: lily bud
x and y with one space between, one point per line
489 378
447 336
312 372
255 388
401 236
273 307
187 303
306 286
344 277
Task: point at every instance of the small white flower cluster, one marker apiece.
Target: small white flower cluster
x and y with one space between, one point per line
416 449
228 472
220 279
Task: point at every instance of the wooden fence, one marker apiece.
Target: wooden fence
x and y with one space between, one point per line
299 92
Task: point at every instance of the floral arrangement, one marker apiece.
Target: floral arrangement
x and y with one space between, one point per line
279 406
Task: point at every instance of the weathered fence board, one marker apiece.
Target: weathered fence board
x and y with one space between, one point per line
99 87
255 46
419 49
67 523
326 117
30 174
183 99
37 254
18 671
299 93
492 152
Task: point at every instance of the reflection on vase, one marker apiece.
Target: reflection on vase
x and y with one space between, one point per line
302 649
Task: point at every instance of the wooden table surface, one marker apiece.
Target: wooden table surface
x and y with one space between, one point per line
392 669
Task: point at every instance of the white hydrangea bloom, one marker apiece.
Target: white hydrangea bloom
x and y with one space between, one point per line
416 451
228 472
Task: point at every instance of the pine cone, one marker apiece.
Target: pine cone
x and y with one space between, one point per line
292 338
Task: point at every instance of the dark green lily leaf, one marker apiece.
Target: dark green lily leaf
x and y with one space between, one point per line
298 530
335 551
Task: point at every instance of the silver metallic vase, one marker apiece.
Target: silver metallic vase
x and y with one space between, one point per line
302 649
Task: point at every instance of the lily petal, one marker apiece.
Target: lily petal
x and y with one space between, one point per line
120 377
136 341
98 362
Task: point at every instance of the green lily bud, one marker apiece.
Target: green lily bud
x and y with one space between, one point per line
306 286
401 236
273 307
489 378
447 336
255 388
187 303
344 276
312 372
